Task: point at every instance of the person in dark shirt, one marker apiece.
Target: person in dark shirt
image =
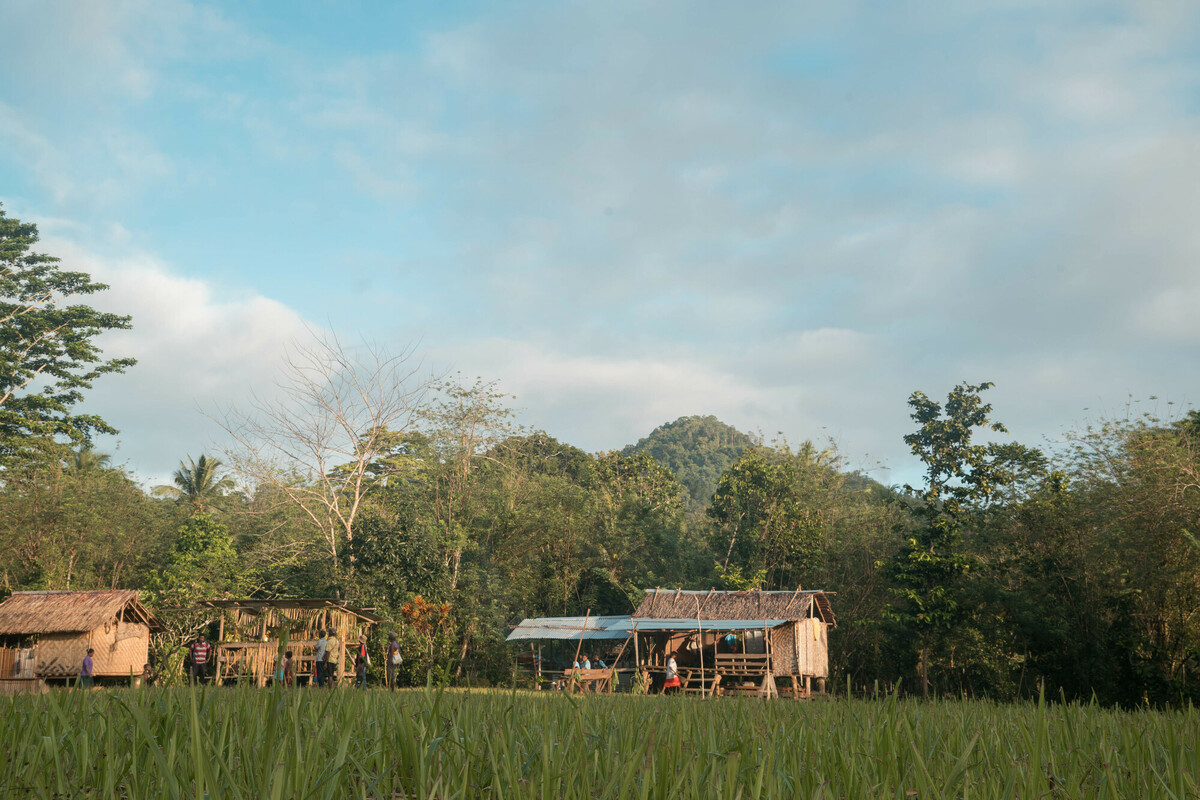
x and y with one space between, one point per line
87 671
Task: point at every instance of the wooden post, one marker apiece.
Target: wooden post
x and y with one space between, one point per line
637 659
794 595
700 647
613 669
581 633
768 686
343 632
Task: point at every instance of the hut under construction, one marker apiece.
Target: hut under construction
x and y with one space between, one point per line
752 642
247 645
45 635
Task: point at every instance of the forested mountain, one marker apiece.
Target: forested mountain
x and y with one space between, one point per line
698 450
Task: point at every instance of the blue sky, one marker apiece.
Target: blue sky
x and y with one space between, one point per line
790 216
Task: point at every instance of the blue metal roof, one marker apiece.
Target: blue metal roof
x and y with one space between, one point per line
571 628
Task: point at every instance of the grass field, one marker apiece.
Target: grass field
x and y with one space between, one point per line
421 744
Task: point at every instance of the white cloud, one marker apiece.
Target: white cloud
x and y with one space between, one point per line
199 347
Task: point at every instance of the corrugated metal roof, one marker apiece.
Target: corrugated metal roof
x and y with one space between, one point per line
571 628
647 625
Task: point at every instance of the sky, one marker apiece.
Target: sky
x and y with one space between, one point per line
789 215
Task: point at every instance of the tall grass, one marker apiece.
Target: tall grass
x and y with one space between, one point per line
426 744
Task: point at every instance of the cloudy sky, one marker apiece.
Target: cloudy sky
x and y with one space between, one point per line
790 215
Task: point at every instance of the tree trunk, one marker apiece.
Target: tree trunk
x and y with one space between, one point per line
925 671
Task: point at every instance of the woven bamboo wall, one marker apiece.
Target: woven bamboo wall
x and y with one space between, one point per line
120 648
784 654
60 655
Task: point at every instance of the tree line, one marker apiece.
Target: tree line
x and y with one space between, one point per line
1006 571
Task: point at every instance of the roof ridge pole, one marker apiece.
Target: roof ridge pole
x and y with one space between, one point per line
794 596
653 601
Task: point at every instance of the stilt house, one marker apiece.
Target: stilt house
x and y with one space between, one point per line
750 639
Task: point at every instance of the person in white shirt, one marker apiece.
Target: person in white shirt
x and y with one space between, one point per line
319 655
672 675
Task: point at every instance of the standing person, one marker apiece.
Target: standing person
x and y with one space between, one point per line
361 662
672 675
319 658
332 658
199 653
289 675
87 671
394 660
148 677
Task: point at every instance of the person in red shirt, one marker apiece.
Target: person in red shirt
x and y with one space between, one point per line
199 652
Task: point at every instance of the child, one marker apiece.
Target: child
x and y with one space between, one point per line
360 671
289 676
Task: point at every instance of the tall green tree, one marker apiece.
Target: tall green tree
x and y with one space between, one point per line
48 354
961 477
765 535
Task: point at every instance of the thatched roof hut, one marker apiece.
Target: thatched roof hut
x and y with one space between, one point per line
794 624
751 605
30 613
113 622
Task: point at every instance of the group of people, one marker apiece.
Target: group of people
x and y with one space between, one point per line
587 663
326 657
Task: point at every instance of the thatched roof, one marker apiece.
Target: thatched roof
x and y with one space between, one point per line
27 613
752 605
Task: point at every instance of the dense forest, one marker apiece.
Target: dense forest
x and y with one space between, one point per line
1006 571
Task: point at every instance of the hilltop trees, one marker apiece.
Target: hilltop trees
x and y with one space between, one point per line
48 356
697 450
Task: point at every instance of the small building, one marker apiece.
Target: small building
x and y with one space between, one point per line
606 637
247 645
49 633
755 640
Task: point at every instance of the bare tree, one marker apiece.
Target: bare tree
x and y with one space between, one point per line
336 413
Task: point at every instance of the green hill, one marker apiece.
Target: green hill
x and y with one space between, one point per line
698 450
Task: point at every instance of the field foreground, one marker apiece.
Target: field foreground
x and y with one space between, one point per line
428 744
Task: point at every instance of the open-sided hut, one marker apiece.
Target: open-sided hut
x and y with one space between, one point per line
54 630
605 632
248 640
784 634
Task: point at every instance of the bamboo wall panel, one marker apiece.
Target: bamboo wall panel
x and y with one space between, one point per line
785 660
60 655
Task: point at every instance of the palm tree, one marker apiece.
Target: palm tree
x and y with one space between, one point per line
197 482
85 459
